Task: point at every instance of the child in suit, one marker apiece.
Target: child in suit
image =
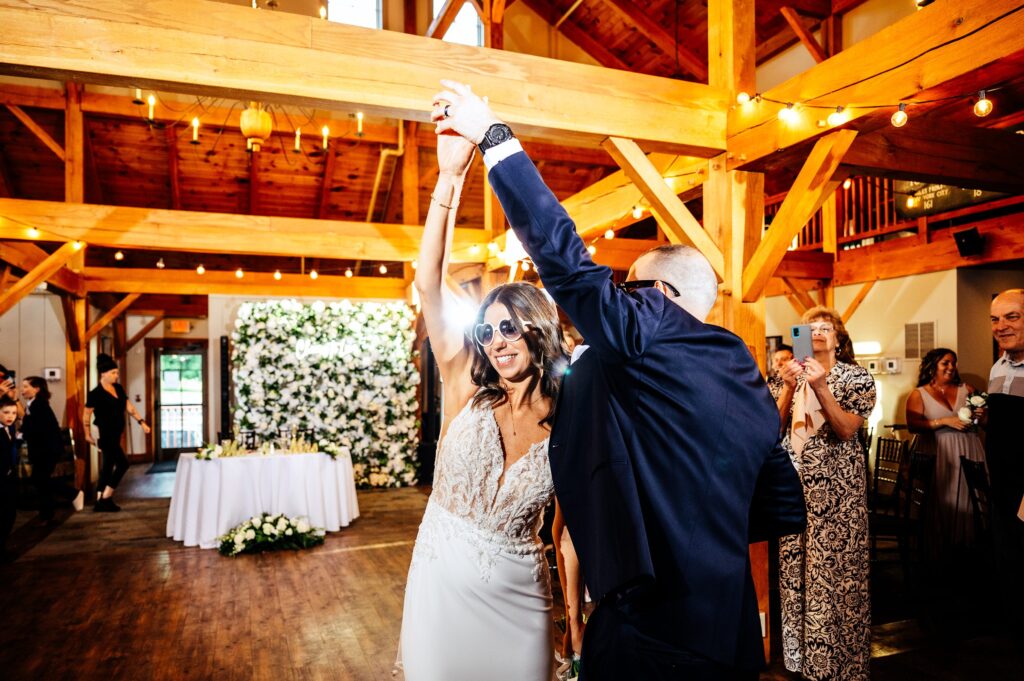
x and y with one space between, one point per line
8 472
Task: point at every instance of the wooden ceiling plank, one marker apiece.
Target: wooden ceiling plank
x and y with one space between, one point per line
683 227
326 183
6 187
577 35
27 256
803 33
187 282
444 19
676 50
198 232
110 315
43 136
171 135
43 271
955 40
813 185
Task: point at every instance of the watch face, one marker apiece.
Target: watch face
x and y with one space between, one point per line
497 134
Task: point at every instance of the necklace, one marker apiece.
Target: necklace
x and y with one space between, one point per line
512 414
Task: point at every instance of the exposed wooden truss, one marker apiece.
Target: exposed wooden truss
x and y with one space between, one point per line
39 274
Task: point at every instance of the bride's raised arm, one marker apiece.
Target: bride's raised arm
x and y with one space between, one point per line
447 340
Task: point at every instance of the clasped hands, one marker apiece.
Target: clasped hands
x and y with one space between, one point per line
814 372
461 119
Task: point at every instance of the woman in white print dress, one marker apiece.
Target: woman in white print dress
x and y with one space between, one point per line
478 596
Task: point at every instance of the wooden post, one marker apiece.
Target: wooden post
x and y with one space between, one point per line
74 322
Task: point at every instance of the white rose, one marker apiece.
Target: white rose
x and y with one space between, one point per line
288 532
965 414
976 401
281 525
250 534
256 521
268 529
239 538
302 526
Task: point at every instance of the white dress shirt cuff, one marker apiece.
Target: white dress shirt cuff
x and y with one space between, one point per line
500 152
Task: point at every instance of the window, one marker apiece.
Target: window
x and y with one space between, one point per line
467 29
365 13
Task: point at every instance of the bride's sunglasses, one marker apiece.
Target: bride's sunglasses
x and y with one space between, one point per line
484 333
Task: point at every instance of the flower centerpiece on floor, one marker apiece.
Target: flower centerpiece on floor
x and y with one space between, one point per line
270 533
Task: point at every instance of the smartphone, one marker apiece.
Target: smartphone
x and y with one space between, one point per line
802 347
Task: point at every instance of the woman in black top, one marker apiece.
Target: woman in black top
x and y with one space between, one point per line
108 401
42 434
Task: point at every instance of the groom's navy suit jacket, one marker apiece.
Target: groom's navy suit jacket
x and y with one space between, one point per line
664 449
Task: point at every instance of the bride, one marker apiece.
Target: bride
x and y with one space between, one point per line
478 596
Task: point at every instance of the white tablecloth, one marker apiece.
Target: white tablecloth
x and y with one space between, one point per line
211 497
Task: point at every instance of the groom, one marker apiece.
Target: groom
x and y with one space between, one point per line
664 448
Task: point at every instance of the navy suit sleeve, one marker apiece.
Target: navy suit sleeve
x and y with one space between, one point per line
612 321
778 506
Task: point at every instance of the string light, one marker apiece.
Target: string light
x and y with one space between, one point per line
359 123
277 275
474 249
323 11
200 270
78 245
34 233
298 139
899 118
983 107
195 130
152 104
787 113
609 234
313 274
160 264
239 273
383 269
119 256
638 211
415 264
525 266
492 248
348 272
326 131
591 249
847 183
743 98
911 202
836 118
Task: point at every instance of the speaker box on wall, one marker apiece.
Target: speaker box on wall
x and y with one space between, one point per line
969 242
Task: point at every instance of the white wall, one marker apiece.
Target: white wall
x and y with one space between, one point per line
31 338
881 318
526 32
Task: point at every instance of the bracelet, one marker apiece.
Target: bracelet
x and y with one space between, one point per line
140 421
444 205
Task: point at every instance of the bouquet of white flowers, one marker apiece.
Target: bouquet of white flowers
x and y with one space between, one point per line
978 400
270 533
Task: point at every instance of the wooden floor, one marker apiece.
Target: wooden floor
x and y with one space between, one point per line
107 596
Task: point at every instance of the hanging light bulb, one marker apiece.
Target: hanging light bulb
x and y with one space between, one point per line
742 98
348 272
200 270
152 103
323 11
383 269
847 183
160 264
277 275
911 202
836 118
415 264
326 132
78 245
591 249
638 211
525 265
474 249
298 139
118 256
492 248
359 123
34 233
899 118
787 113
239 273
256 124
609 234
983 107
313 274
195 130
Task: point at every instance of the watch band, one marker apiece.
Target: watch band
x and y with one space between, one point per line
495 135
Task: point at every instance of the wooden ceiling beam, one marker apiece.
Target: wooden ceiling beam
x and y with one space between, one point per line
36 130
812 186
803 33
805 265
682 226
954 40
800 294
617 254
196 232
676 50
141 333
601 54
857 300
187 282
179 45
444 19
27 256
40 273
110 315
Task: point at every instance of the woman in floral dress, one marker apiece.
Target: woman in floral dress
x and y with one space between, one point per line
823 573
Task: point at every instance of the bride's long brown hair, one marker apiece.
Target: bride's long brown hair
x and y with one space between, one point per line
543 336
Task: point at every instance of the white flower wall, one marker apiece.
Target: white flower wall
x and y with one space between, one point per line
342 368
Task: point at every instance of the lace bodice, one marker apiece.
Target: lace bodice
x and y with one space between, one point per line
467 498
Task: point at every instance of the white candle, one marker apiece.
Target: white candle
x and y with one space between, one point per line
152 103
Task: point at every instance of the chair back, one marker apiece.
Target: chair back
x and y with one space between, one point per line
248 439
978 491
890 465
922 471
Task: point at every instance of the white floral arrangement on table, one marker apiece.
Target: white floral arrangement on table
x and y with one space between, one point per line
226 449
978 400
231 448
270 533
342 369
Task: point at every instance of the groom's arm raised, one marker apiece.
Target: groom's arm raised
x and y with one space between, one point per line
609 319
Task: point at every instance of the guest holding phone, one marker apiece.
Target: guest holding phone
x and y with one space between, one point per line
45 444
823 399
109 402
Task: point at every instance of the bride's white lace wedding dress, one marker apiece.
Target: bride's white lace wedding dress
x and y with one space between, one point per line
478 597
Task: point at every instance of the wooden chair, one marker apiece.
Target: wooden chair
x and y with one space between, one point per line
887 481
913 537
866 434
978 492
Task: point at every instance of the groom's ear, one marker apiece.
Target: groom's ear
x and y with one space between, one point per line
661 287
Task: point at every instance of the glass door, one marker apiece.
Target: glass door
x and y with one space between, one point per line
181 401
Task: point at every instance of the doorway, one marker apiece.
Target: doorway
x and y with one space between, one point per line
178 398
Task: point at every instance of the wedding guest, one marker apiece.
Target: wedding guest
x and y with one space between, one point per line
782 355
932 412
45 442
1004 442
823 572
8 388
8 473
109 402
